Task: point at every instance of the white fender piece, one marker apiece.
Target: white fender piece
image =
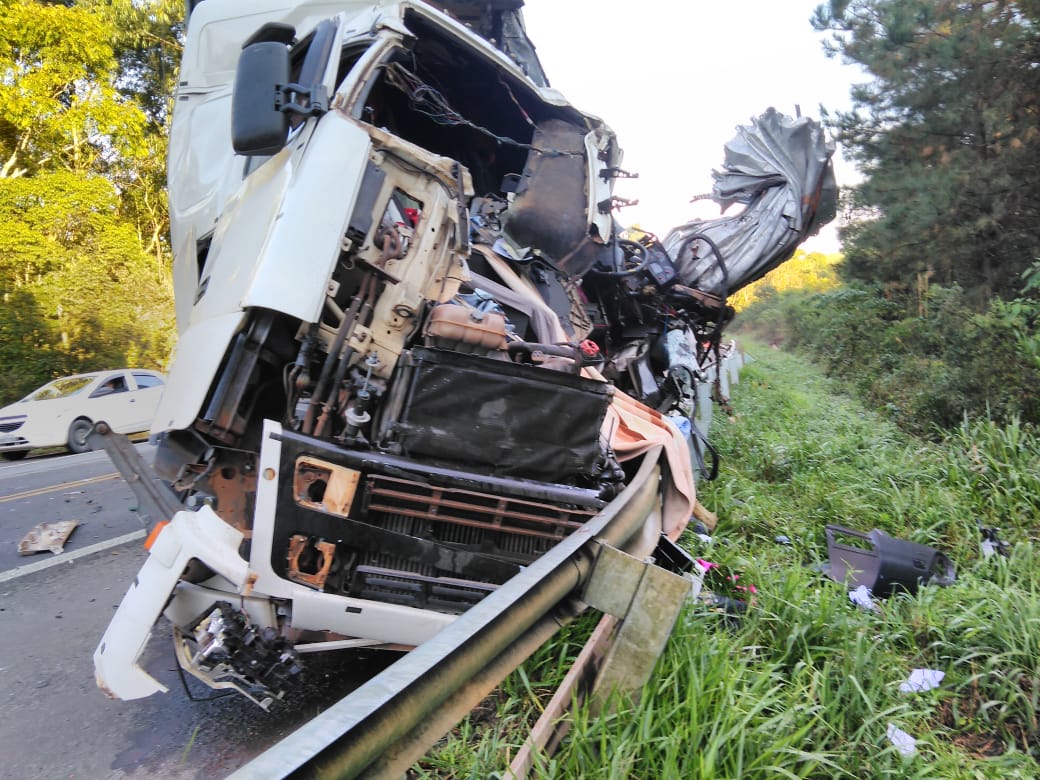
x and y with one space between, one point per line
188 535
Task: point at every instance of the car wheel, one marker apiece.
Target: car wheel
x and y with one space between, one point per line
78 435
16 455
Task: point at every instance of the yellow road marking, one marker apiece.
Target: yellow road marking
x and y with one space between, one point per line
54 488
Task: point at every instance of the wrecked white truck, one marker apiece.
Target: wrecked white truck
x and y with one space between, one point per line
415 349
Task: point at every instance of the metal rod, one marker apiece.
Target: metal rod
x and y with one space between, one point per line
393 465
551 728
334 354
155 500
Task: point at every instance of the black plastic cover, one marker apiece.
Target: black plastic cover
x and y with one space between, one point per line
500 418
889 565
550 209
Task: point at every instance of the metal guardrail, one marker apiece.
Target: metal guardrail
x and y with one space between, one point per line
391 721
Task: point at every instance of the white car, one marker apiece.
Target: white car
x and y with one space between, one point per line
61 413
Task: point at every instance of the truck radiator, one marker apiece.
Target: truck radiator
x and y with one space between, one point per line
510 529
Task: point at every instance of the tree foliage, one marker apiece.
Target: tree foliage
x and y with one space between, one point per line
83 274
946 133
806 271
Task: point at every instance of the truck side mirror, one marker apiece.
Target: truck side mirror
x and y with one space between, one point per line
258 126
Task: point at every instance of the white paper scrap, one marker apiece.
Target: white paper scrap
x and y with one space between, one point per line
904 743
861 597
922 680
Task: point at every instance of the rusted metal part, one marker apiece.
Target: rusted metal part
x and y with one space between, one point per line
319 484
324 553
47 537
155 501
349 738
552 725
236 495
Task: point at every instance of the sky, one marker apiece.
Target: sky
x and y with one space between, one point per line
674 78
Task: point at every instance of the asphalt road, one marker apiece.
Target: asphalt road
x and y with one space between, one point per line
54 609
84 488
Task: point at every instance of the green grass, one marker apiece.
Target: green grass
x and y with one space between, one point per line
805 684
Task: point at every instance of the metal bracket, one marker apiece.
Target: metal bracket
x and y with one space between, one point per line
648 599
285 99
156 502
614 202
616 173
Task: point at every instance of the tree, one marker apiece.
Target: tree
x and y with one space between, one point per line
946 134
78 289
58 104
147 41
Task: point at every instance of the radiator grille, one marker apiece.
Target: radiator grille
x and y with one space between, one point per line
468 517
511 529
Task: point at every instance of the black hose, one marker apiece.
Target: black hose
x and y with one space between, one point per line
718 256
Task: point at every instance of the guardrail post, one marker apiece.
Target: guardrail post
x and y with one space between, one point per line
733 362
704 408
648 599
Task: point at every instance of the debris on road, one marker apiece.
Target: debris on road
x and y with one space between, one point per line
992 543
903 742
47 537
861 597
887 565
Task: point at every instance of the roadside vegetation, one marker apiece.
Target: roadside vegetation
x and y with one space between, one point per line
926 361
805 683
84 252
917 413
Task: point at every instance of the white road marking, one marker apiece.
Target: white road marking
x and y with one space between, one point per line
60 558
55 488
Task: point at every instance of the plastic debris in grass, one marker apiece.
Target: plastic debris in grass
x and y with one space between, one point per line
903 742
991 542
921 680
882 563
47 537
721 591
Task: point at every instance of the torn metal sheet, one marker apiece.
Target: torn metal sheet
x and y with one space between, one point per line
47 537
780 169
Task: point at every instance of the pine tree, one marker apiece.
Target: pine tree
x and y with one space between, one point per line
946 134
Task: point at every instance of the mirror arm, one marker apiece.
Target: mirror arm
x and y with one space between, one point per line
317 101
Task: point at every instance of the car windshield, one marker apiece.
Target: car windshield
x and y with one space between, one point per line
60 388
